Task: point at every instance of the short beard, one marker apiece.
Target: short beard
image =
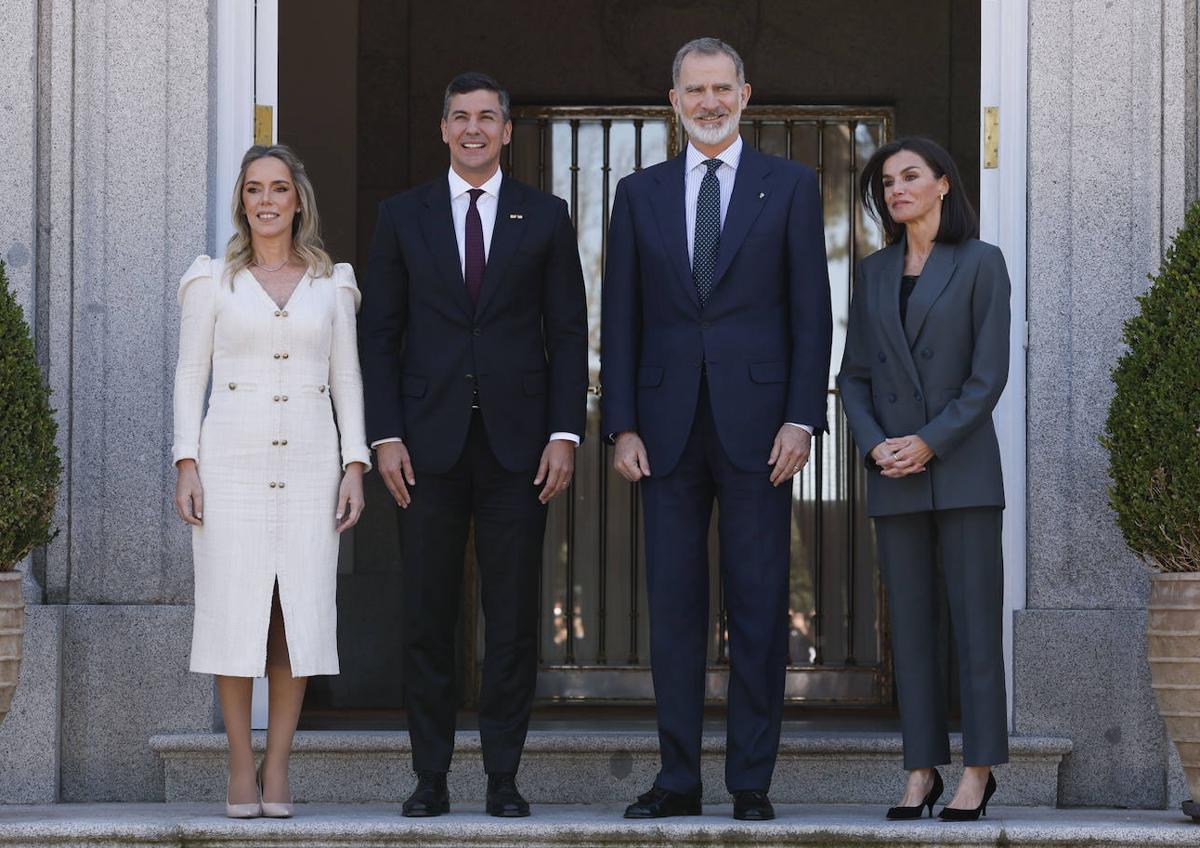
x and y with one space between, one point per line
710 135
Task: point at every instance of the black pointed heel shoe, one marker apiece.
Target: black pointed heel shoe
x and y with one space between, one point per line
935 792
956 815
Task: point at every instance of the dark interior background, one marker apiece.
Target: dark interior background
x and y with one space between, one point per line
360 96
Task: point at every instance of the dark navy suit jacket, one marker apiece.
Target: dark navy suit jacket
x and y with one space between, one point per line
425 350
763 336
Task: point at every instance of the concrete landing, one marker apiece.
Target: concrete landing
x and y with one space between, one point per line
598 767
359 826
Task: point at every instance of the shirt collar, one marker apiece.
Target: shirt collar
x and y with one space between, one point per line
459 186
731 155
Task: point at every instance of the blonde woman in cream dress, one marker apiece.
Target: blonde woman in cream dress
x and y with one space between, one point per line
265 477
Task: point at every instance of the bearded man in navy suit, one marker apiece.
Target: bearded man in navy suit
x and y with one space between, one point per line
716 336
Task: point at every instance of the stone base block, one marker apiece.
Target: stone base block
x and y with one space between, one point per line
1083 675
29 736
595 768
125 679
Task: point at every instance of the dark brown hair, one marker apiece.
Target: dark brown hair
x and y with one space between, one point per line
959 221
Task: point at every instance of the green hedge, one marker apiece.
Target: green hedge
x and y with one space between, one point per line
1153 428
29 465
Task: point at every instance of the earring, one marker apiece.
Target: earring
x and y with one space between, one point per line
941 197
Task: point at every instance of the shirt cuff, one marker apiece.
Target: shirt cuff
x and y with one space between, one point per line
806 428
566 437
379 442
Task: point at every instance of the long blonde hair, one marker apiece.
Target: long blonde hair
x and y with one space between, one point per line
306 226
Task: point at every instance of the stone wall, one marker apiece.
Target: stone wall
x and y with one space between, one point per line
1110 92
104 201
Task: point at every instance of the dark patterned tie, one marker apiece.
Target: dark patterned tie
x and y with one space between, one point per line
708 231
474 249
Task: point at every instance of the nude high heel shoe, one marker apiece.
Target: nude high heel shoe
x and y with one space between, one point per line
274 809
242 811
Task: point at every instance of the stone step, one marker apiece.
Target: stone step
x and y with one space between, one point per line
377 825
598 767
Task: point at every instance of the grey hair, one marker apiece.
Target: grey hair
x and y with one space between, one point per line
707 47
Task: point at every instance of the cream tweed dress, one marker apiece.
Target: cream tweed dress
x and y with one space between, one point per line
269 459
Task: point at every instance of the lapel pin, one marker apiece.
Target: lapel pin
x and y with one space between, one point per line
761 195
514 216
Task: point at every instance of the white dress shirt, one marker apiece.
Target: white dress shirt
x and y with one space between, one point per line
694 172
460 204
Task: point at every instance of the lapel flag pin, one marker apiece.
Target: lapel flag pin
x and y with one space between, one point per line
513 216
761 195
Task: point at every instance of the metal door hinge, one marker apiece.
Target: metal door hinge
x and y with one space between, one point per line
264 125
991 137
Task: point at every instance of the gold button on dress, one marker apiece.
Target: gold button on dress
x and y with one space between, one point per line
268 514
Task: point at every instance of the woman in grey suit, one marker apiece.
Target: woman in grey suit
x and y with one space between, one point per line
925 362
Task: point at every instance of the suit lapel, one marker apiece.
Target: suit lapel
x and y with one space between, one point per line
886 290
506 235
936 274
438 226
750 191
672 221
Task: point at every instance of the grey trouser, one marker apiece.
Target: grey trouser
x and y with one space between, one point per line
967 544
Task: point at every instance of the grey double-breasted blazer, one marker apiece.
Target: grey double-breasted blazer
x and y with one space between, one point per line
939 376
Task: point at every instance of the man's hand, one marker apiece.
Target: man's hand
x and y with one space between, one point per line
902 456
556 469
789 453
629 457
396 470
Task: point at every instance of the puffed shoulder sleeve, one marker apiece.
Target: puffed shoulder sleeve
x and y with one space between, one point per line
197 299
200 269
345 376
343 278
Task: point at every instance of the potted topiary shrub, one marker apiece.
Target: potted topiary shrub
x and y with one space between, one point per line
29 475
1153 441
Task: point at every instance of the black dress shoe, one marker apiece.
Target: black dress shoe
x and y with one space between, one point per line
659 803
503 799
752 805
954 814
931 798
430 798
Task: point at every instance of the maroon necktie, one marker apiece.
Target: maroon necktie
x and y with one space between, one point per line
474 248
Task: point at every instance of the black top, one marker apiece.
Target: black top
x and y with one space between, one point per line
907 283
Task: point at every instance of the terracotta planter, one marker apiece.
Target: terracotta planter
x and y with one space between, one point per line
1173 647
12 629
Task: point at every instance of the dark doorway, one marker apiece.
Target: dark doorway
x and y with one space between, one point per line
360 90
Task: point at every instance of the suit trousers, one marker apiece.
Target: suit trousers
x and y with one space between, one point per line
754 527
967 544
509 527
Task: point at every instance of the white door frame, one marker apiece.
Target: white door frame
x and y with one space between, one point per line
247 74
1004 63
247 36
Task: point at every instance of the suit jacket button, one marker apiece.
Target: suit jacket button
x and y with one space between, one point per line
476 332
882 356
891 397
277 313
277 356
282 484
927 354
468 376
916 395
276 398
705 325
232 386
272 485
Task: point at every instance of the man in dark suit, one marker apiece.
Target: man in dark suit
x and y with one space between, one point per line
473 340
716 344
